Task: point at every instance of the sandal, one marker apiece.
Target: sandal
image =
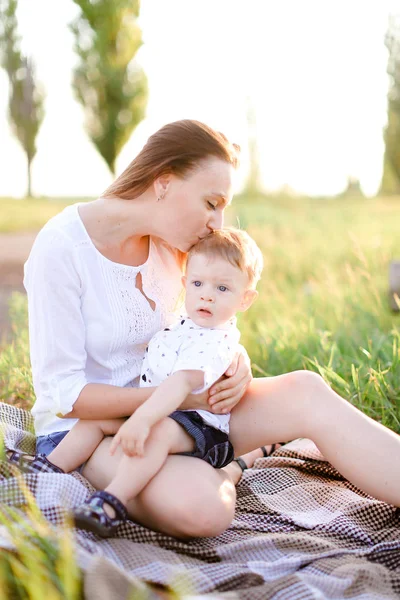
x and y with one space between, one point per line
91 516
38 464
265 452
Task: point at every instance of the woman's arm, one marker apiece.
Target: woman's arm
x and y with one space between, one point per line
57 338
102 401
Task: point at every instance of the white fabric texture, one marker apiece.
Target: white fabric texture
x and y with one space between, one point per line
187 346
88 322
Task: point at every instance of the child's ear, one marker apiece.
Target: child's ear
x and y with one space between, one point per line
248 298
184 281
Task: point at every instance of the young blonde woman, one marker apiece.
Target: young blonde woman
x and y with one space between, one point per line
104 276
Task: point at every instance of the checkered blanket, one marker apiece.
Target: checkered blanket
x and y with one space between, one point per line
300 532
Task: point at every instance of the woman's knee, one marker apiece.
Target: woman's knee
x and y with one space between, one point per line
188 499
305 383
211 514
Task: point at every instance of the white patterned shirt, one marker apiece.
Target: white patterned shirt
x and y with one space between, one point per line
187 346
88 322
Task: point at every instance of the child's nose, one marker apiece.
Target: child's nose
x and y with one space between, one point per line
207 297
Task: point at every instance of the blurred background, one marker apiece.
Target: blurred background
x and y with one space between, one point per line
311 92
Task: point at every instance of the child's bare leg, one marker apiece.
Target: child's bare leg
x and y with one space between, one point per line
134 472
80 443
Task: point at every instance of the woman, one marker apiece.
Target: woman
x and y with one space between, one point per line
102 277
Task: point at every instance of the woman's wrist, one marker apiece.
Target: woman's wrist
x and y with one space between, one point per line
196 402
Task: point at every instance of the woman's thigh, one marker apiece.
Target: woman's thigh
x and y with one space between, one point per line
187 497
274 409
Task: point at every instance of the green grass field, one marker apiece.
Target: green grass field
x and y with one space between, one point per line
323 298
28 214
322 306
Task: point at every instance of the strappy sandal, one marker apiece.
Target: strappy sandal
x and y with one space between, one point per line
91 516
38 464
265 452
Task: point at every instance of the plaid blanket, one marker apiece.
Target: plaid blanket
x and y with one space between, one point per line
300 532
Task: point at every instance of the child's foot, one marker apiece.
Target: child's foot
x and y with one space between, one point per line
95 515
28 464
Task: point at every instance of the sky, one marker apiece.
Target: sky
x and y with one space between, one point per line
314 73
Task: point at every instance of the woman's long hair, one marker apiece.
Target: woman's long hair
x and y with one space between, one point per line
176 148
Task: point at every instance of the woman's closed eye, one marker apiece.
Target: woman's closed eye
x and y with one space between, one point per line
211 205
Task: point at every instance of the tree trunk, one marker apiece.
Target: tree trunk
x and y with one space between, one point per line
29 190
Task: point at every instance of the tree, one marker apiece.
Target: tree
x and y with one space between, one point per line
108 82
391 169
26 98
253 186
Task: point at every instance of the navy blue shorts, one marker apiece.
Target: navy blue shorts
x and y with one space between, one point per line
211 444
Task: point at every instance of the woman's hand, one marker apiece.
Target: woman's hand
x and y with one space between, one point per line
229 390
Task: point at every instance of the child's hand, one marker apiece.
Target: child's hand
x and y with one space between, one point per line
132 436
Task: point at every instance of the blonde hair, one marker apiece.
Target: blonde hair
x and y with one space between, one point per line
177 148
235 246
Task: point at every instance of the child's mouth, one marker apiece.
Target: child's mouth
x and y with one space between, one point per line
204 312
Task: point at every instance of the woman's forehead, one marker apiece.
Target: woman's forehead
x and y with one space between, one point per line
216 173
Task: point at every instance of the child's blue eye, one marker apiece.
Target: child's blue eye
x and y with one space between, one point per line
197 283
222 288
212 206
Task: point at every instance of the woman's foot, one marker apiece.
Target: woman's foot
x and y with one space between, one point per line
31 464
246 461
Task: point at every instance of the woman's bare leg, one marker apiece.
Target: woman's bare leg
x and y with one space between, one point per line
301 404
187 498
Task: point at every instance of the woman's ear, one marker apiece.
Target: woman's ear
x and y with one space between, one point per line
248 298
161 185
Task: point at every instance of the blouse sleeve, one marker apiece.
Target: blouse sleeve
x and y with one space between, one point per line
56 326
211 354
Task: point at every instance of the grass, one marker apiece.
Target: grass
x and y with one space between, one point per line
323 301
323 306
40 560
29 214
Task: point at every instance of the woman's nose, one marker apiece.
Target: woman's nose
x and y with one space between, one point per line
217 220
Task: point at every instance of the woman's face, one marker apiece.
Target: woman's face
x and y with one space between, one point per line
193 207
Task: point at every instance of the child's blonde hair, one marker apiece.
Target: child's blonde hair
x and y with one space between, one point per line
235 246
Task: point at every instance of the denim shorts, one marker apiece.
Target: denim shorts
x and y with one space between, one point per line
46 443
211 444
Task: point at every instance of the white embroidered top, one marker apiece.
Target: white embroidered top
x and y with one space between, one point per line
88 322
187 346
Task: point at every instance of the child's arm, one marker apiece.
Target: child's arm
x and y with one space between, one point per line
168 396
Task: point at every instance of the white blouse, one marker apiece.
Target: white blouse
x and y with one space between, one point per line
88 322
